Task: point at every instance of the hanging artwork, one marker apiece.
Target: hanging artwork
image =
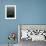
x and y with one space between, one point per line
10 11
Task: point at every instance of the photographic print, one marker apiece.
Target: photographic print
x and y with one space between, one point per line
10 11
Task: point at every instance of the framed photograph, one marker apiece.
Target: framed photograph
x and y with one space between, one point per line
10 11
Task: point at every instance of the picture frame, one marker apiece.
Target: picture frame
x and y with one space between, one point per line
10 11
